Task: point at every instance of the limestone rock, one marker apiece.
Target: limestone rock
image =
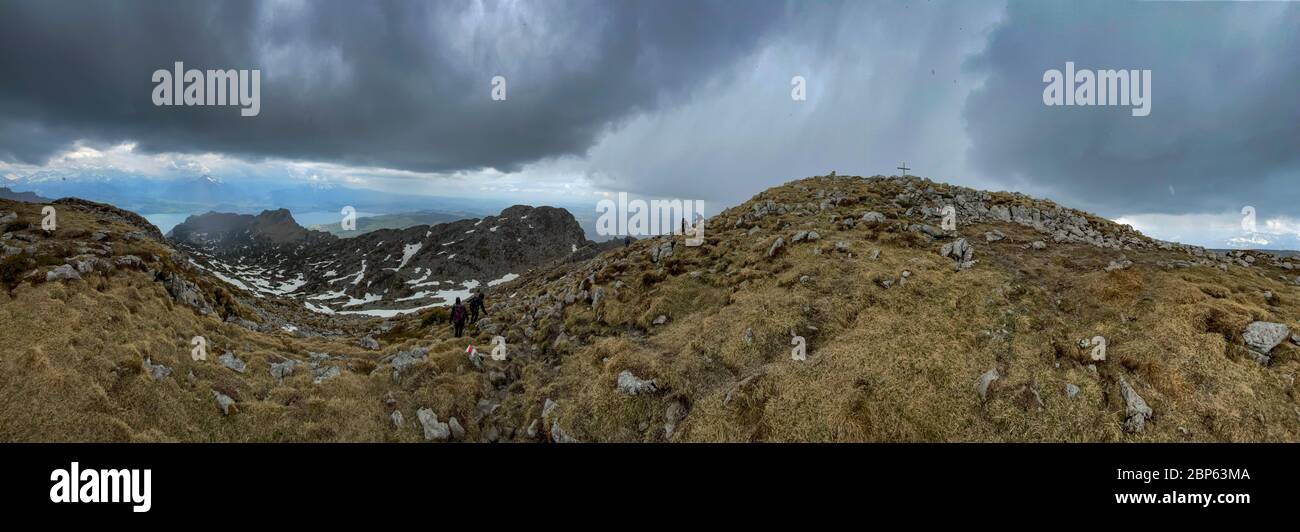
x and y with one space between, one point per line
631 385
1136 410
985 380
433 429
64 272
228 360
1263 336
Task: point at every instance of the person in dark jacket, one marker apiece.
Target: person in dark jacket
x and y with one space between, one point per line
458 317
476 305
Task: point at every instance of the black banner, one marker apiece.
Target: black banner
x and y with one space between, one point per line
1091 481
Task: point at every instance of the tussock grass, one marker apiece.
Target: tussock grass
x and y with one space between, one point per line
884 364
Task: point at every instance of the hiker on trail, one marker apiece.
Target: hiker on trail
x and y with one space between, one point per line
476 306
627 240
458 317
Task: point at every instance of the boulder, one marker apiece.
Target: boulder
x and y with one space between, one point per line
156 371
1136 410
457 431
64 272
776 247
325 373
369 342
559 436
631 385
1263 336
186 293
433 429
873 216
961 252
224 402
408 358
1120 264
982 386
280 370
228 360
993 236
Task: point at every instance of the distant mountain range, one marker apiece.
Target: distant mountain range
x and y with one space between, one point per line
206 193
383 272
6 193
366 224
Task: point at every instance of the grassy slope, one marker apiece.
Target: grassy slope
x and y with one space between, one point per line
896 364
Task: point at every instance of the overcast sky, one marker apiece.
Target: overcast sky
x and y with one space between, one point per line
688 99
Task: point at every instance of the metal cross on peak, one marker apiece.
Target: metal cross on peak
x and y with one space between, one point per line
904 168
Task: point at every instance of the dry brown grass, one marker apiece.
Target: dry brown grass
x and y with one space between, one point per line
896 364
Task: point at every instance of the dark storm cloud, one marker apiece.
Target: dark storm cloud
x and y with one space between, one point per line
394 84
1224 129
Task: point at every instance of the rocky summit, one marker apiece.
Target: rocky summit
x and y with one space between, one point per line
387 272
832 308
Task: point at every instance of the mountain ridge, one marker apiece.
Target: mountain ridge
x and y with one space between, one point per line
984 331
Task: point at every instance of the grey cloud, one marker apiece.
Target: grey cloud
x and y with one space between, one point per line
393 84
1224 129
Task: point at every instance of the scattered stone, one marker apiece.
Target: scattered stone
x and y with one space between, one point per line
559 436
186 293
1071 390
224 402
64 272
457 431
776 246
8 217
397 418
985 380
1038 244
156 371
1259 358
961 252
672 415
547 408
433 429
1135 408
280 370
369 342
993 236
228 360
532 429
660 320
1263 336
873 216
875 254
408 358
748 337
1120 264
631 385
325 373
928 230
